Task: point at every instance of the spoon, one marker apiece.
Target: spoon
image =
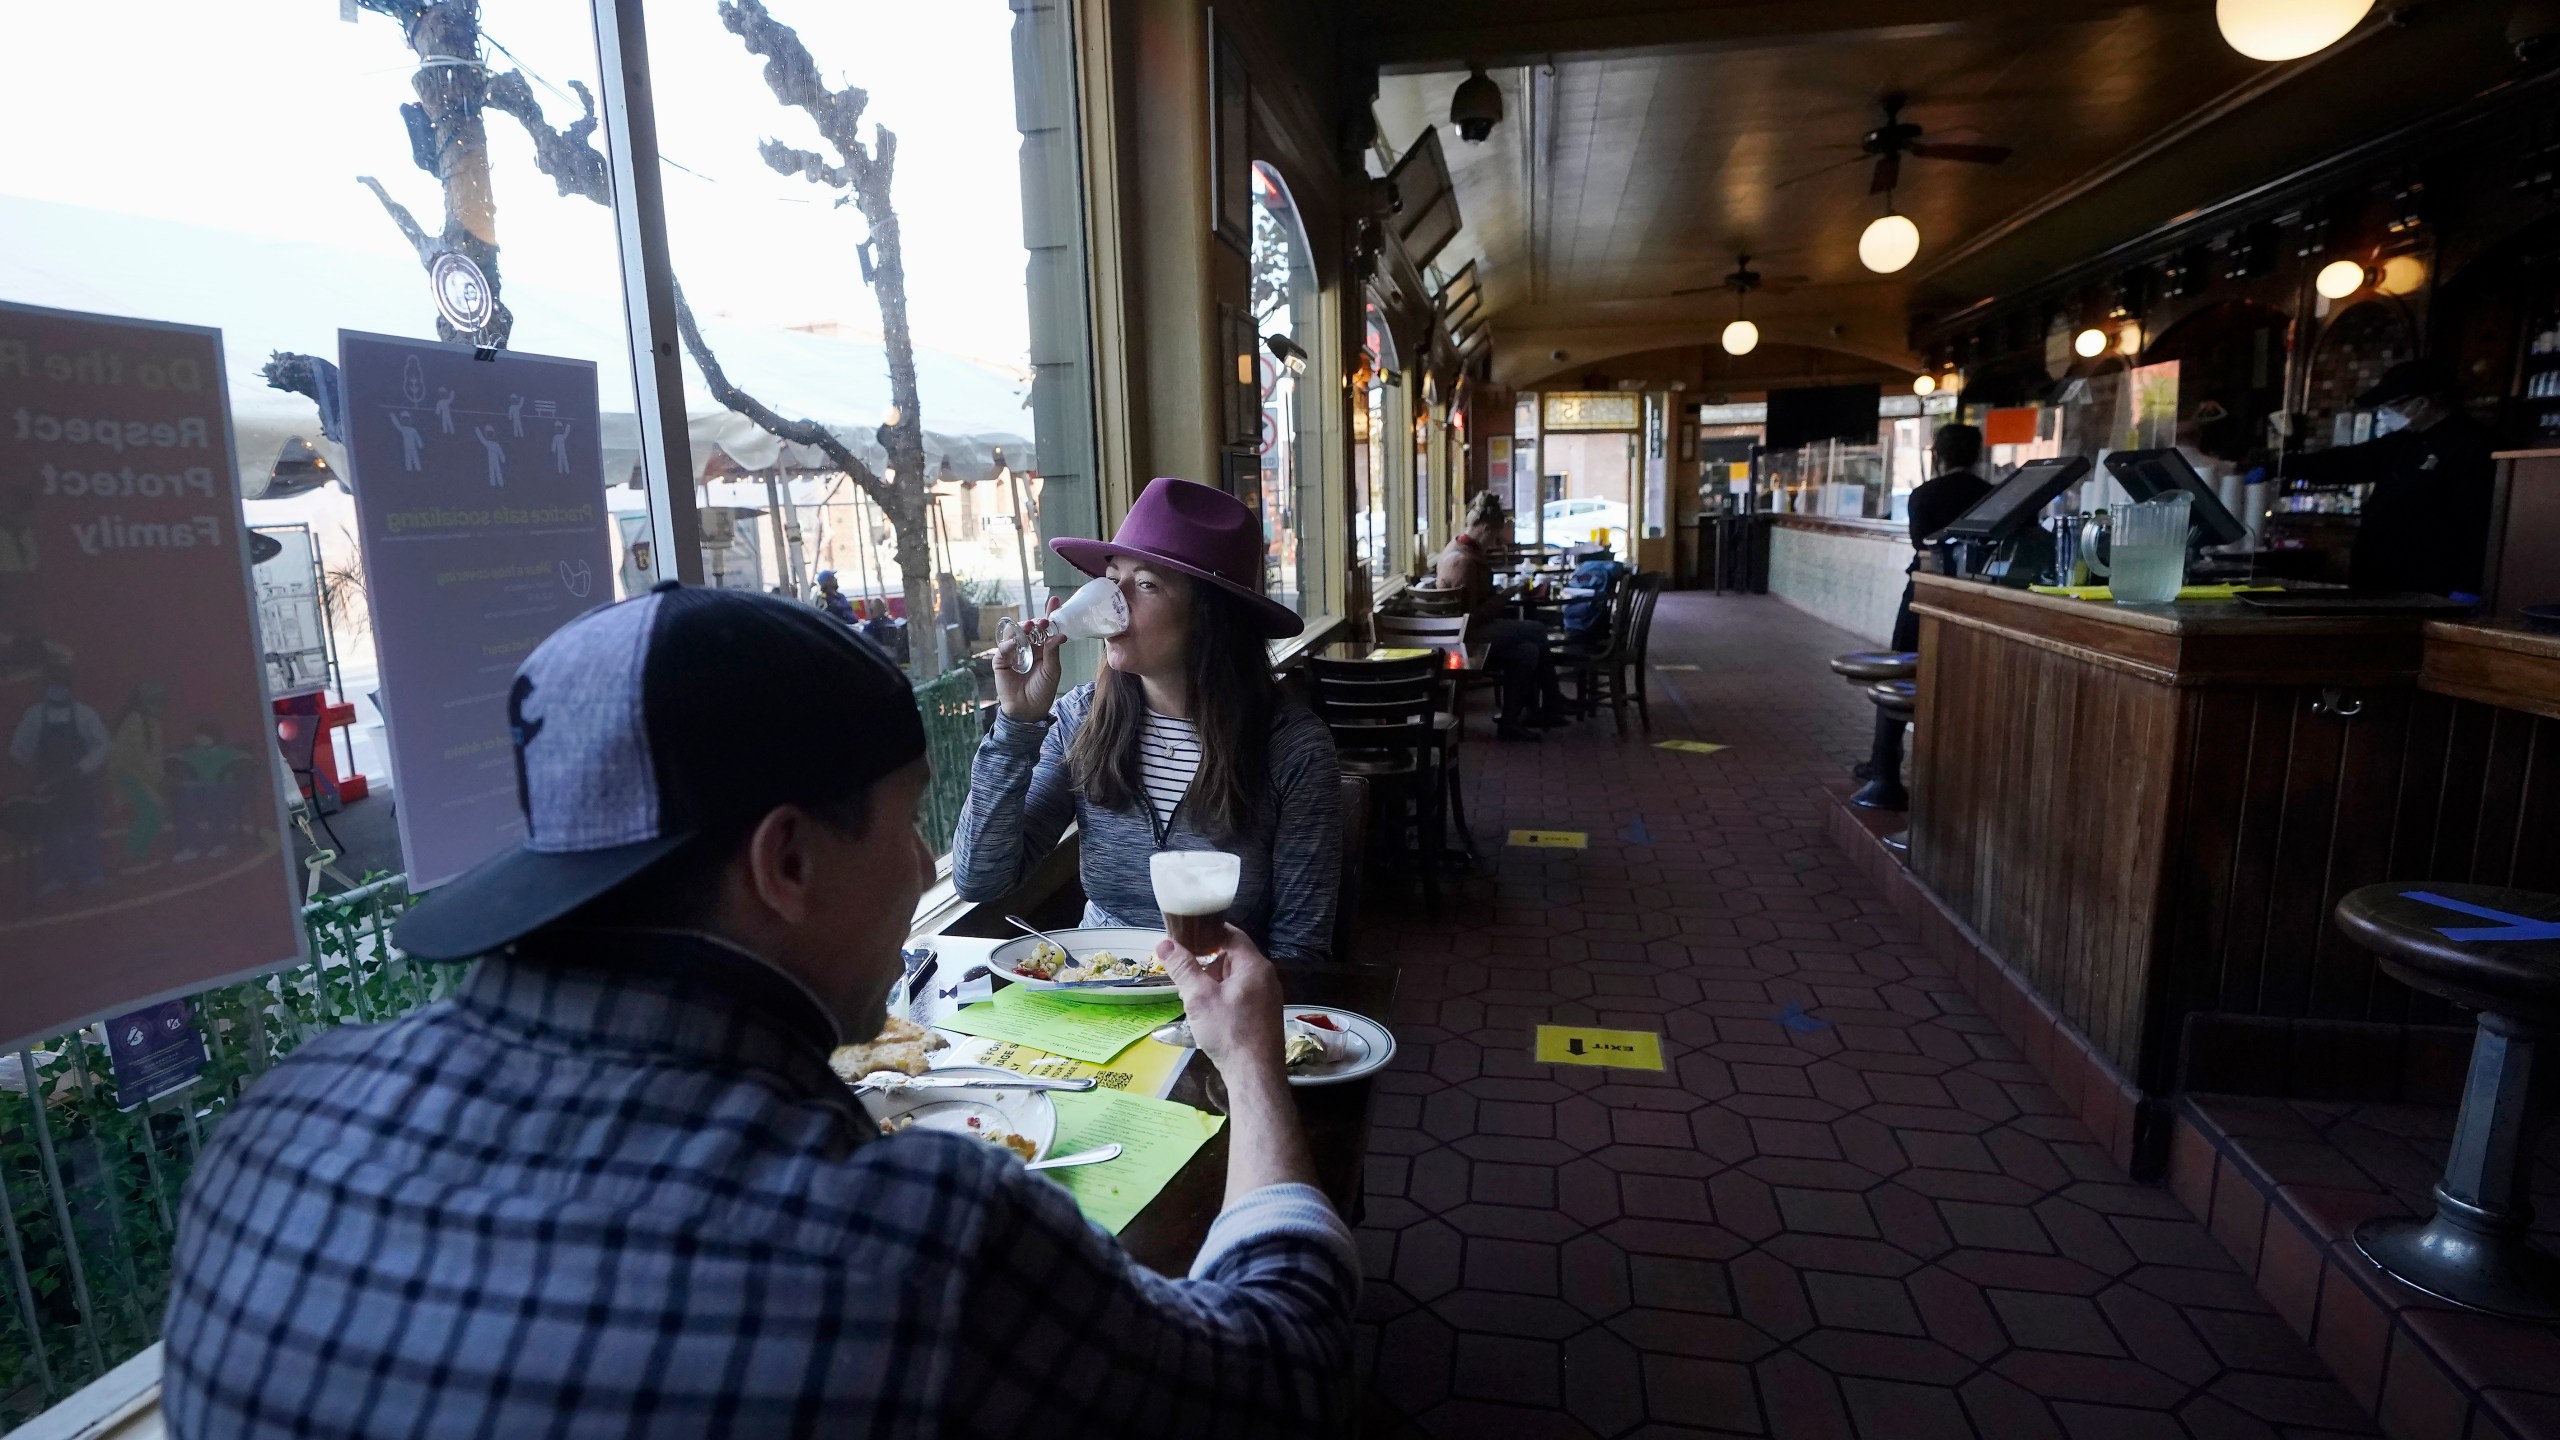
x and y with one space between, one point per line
1026 927
1081 1157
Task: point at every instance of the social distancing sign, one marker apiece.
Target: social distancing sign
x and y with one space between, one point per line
1687 747
1551 839
1583 1045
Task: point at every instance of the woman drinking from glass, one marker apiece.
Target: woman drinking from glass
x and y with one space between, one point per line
1182 741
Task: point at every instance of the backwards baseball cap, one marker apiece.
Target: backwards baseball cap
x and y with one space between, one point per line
641 726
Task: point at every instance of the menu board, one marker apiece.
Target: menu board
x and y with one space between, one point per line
480 503
140 831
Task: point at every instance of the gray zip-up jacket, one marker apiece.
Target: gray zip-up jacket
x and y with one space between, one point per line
1020 800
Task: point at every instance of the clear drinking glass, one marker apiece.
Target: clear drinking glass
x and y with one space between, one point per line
1194 889
2149 560
1097 611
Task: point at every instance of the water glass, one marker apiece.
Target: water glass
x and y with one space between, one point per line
2148 560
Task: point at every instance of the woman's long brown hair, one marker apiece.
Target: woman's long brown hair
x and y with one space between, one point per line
1233 698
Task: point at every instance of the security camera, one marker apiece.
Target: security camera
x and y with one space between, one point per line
1556 355
1476 107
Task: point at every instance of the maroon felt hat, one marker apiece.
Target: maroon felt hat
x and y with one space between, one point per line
1201 531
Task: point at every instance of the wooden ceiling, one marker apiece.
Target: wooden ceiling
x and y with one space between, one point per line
1645 143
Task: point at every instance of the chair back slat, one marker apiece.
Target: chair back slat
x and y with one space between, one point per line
1447 633
1376 706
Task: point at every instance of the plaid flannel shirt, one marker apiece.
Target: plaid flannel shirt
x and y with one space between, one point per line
617 1191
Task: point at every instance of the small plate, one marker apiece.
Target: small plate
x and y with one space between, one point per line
1372 1046
1027 1113
1125 941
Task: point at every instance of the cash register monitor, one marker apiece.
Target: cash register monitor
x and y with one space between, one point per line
2145 474
2014 505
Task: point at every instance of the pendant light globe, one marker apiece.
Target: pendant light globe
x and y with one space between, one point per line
1891 241
2339 279
1741 338
2286 29
1924 384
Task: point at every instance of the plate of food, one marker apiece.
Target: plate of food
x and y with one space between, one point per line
902 1045
1101 964
1319 1044
1022 1121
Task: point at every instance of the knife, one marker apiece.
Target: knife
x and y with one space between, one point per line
966 1082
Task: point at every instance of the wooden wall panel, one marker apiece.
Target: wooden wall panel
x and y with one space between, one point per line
2139 849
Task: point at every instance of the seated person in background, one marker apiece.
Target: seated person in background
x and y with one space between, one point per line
1937 504
1586 622
1515 649
611 1185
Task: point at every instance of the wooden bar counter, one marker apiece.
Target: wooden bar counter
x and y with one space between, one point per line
2147 814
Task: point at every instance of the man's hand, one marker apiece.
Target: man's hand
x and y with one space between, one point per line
1233 1005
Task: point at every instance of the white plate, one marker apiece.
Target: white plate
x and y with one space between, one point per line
1372 1046
1126 941
1027 1113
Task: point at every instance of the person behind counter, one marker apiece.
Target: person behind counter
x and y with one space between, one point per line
1182 740
1937 504
613 1185
2425 522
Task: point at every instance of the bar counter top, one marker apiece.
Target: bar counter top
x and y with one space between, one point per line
2192 642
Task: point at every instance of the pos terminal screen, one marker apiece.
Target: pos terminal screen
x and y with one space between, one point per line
2145 474
2015 503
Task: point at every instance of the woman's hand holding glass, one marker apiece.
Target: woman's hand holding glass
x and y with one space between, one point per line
1020 695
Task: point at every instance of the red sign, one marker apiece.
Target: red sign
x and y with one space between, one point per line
138 797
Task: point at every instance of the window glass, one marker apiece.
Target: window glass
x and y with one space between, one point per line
1286 304
282 211
1376 467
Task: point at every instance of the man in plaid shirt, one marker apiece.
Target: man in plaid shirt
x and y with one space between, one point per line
612 1187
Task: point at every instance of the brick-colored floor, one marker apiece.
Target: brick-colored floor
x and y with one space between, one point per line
1846 1208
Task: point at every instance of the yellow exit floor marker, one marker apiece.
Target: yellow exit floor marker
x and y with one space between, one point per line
1581 1045
1552 839
1688 747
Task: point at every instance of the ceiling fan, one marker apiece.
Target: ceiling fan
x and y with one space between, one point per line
1744 280
1897 137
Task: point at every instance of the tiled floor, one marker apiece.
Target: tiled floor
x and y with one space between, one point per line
1847 1206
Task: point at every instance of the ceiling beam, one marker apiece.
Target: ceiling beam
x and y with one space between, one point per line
1421 36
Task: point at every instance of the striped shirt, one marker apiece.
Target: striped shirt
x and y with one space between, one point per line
1168 758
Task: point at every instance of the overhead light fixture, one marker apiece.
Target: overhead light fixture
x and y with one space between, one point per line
2401 275
1741 338
2089 344
1476 107
2339 279
1890 242
1952 381
2286 29
1288 352
2129 340
1924 384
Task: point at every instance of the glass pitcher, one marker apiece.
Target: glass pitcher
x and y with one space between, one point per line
2147 550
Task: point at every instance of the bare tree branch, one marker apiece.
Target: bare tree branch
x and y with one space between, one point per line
769 420
568 156
419 240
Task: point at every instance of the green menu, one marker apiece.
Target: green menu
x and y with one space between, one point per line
1156 1137
1062 1027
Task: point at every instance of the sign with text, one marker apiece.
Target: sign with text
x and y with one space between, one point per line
138 802
1583 1045
153 1052
480 501
1551 839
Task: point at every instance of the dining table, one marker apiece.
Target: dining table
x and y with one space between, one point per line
1167 1234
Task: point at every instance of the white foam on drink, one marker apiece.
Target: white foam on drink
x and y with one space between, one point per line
1194 882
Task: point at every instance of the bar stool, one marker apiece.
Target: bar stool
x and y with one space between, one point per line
1866 667
1894 702
2496 951
1862 668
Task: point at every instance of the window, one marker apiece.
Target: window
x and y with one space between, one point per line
1374 464
1286 306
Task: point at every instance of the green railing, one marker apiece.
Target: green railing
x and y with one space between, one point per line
950 705
89 1194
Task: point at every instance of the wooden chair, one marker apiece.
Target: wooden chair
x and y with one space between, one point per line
1355 858
1381 713
1433 601
1447 635
1616 672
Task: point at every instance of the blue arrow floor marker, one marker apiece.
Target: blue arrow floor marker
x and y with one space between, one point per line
1636 834
1794 1018
2510 927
